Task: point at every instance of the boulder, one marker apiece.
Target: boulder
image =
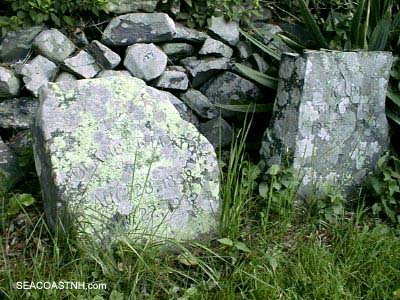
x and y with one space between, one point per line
201 70
139 28
65 76
120 161
104 56
226 31
37 73
229 88
177 51
129 6
109 73
216 48
188 35
16 44
53 45
329 121
18 113
199 104
10 85
82 65
218 132
173 80
145 61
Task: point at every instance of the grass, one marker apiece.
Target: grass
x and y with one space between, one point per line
264 251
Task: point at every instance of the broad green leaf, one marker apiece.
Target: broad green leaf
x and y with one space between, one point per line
263 189
257 76
25 199
393 117
188 259
312 25
226 241
395 97
272 52
274 170
292 42
242 247
69 21
247 108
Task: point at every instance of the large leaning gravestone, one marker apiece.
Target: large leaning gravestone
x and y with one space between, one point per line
114 155
329 118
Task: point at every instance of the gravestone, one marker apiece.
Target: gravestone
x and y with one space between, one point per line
329 119
119 159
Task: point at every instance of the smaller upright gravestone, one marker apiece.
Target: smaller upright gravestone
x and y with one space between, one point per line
114 157
329 119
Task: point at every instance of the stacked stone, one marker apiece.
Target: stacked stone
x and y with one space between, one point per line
192 68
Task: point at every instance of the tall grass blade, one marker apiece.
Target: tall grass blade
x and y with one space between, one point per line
257 76
380 36
291 41
356 25
273 53
312 25
251 107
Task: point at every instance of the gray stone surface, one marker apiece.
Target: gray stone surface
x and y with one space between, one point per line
21 142
9 83
176 68
145 61
329 119
109 73
245 49
139 28
177 51
129 6
37 73
53 45
199 104
229 88
104 56
82 65
9 167
268 32
173 80
65 76
16 44
218 132
185 112
201 70
18 113
227 31
216 48
119 159
185 34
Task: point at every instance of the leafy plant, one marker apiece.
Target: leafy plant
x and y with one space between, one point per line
387 188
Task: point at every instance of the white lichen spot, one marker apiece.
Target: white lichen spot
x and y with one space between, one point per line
343 105
309 112
324 135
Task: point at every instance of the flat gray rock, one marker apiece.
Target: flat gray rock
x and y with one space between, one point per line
139 28
37 73
329 119
9 166
53 45
201 70
18 113
16 44
129 6
104 56
229 88
216 48
109 73
260 62
82 65
119 160
10 85
218 132
226 31
199 104
145 61
65 76
177 51
173 80
245 49
185 34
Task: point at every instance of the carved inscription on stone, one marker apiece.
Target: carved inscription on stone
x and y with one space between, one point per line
329 118
122 159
